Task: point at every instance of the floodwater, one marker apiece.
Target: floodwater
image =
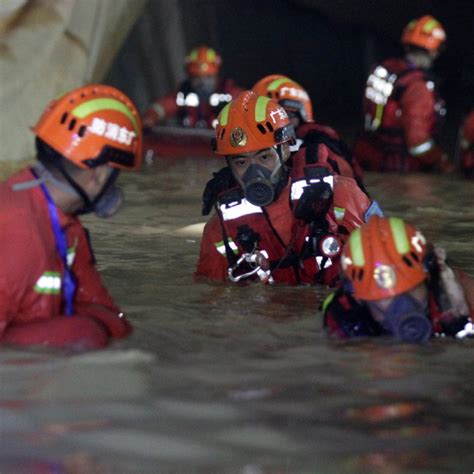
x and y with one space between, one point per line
239 380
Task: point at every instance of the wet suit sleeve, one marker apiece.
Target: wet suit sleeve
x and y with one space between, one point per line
161 110
92 298
417 108
15 288
211 264
351 202
418 122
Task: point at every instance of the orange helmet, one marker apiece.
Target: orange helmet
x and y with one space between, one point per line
93 125
288 93
250 123
384 258
203 61
425 32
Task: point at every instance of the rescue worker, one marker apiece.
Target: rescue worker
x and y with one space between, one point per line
200 98
402 108
271 223
466 145
398 284
50 291
297 103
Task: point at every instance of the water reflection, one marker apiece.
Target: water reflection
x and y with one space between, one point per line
239 379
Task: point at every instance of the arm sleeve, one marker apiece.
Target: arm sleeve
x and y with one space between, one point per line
92 298
352 200
211 263
15 266
418 118
90 289
160 110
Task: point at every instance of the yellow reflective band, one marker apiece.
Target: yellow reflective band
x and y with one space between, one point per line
211 55
220 247
357 251
193 55
328 301
339 212
224 115
430 25
400 236
274 85
97 105
378 115
261 108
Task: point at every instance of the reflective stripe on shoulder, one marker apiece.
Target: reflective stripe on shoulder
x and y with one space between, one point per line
297 187
421 148
239 209
48 283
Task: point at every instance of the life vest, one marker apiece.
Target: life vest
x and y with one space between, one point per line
383 92
196 111
247 228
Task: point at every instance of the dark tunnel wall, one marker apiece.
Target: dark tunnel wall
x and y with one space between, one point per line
326 47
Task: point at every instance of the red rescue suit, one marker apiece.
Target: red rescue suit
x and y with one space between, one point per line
401 118
32 271
466 144
191 110
285 240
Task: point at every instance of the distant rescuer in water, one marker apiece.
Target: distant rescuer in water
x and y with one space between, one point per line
50 291
200 98
275 222
403 111
398 284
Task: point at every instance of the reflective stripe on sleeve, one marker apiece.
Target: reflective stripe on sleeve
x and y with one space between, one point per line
421 148
159 109
48 283
220 247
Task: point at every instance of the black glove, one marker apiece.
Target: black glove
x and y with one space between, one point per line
222 181
315 202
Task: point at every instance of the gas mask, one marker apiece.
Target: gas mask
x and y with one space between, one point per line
406 319
262 186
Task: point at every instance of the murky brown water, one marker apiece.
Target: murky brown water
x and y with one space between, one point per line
224 379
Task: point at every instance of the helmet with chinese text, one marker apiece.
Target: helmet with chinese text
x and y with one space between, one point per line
250 123
93 125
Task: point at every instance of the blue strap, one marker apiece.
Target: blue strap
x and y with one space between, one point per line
69 283
373 210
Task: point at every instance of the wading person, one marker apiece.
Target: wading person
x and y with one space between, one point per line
398 285
50 291
273 223
402 108
200 98
309 133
